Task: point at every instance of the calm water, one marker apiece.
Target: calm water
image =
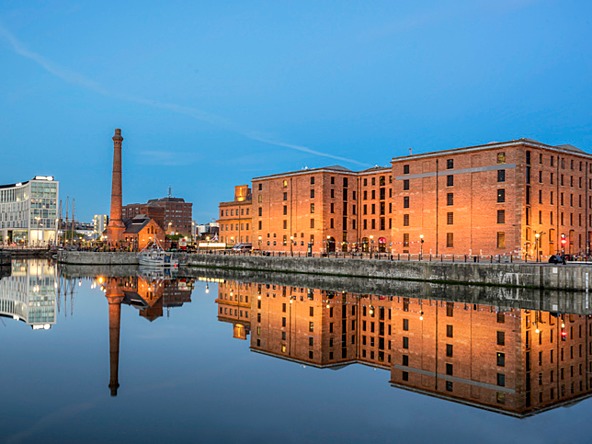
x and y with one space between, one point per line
143 357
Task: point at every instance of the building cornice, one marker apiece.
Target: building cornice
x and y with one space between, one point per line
492 146
307 171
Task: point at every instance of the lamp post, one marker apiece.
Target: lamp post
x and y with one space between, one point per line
328 242
291 245
537 236
420 246
371 244
259 239
193 233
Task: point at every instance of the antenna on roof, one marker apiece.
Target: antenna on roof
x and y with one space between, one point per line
410 151
170 191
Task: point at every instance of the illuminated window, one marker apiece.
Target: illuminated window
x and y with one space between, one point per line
501 240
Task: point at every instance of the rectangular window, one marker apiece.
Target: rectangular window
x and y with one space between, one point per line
450 180
501 359
312 194
312 208
501 175
406 202
501 216
405 239
450 218
405 170
449 198
449 331
449 309
501 379
449 369
501 240
312 223
312 180
405 342
501 157
450 164
405 220
449 350
449 240
501 195
406 184
501 337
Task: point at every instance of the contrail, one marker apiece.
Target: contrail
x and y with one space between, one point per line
202 116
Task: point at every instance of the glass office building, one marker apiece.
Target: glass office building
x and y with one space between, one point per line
29 212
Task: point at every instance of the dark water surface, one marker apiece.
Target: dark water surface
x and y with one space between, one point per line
145 357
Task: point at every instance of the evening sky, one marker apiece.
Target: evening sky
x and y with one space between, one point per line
211 94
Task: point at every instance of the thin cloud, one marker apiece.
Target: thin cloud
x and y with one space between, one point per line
202 116
303 149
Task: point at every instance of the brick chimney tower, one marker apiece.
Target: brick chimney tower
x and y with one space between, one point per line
114 295
115 228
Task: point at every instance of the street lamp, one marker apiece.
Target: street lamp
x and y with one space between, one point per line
371 244
291 245
537 236
420 246
328 242
259 240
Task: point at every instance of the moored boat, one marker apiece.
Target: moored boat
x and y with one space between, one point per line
155 256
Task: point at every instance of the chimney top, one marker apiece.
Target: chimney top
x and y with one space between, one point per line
117 135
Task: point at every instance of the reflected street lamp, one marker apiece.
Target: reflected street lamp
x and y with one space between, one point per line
420 246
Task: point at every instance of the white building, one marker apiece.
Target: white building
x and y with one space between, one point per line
29 294
100 223
29 212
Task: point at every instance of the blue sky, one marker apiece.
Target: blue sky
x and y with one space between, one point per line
212 94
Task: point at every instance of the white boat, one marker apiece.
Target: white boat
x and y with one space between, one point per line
155 256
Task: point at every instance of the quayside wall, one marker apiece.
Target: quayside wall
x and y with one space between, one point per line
571 277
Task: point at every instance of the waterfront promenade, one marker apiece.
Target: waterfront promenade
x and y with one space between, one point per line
572 277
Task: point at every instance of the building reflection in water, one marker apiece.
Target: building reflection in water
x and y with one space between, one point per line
29 293
513 361
151 291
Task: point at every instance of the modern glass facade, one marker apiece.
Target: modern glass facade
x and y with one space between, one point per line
30 294
29 212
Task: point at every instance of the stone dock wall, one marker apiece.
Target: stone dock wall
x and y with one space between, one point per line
571 277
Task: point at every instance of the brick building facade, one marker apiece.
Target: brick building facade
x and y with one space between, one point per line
520 198
173 214
235 217
513 361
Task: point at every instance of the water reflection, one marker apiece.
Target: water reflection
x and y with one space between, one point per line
522 355
28 293
514 361
150 291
